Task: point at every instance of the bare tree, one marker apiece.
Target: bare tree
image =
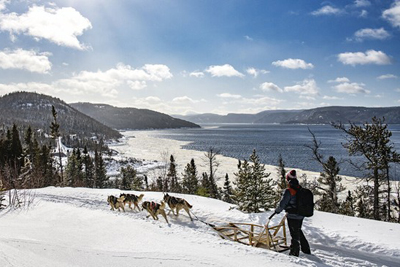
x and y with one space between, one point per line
329 178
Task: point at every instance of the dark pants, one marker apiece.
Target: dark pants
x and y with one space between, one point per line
298 238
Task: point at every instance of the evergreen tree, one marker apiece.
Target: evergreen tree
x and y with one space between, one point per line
100 173
329 179
73 171
55 132
29 149
88 167
227 192
16 152
348 206
190 183
372 141
2 195
254 189
364 202
130 180
159 184
203 189
171 183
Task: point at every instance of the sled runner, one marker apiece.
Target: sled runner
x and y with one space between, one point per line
263 236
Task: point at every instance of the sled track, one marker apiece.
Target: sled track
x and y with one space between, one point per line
323 254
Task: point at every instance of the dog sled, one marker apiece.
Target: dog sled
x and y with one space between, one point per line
255 235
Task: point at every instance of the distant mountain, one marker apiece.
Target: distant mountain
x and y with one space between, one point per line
131 118
32 109
323 115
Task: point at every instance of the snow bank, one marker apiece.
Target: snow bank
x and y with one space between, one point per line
75 227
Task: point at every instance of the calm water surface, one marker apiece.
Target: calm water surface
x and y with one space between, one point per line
272 140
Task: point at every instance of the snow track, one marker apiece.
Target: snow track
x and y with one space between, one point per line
75 227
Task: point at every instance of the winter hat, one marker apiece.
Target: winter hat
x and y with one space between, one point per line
291 175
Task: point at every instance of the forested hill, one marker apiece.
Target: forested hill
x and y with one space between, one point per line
31 109
323 115
131 118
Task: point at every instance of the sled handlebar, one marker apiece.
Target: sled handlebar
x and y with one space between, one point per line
272 215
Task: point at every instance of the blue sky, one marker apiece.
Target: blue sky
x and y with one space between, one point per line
183 57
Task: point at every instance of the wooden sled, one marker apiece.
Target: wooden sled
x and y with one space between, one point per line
263 236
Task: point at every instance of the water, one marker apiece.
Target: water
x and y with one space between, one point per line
272 140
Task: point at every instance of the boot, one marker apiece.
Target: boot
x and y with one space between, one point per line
294 251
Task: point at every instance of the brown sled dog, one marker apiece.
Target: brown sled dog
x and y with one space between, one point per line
176 204
116 203
132 199
154 209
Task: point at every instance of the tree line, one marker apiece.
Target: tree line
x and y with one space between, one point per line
28 164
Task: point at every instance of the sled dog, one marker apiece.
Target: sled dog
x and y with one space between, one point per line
176 204
116 203
154 209
132 199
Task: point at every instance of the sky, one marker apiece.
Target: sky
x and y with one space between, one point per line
203 56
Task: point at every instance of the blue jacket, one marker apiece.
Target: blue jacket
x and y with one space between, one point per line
288 203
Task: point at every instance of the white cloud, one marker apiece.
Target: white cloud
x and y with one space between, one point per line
103 83
248 38
339 80
363 34
362 3
255 72
261 101
186 100
387 76
331 97
369 57
393 14
197 74
293 64
137 85
306 87
224 70
267 86
351 88
363 14
3 4
61 26
26 60
228 95
327 10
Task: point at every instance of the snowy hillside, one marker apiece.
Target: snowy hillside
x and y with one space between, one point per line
75 227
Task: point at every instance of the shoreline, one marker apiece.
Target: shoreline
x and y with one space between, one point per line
143 145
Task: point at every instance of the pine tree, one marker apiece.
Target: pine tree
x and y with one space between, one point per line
73 170
227 192
2 195
254 189
171 182
190 183
88 167
100 177
329 179
16 151
129 180
55 132
203 189
348 206
372 141
364 202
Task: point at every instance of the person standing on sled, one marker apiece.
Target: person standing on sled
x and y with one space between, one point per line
295 221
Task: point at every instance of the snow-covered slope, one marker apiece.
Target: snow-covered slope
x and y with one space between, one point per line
75 227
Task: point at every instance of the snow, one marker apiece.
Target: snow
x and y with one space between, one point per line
75 227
